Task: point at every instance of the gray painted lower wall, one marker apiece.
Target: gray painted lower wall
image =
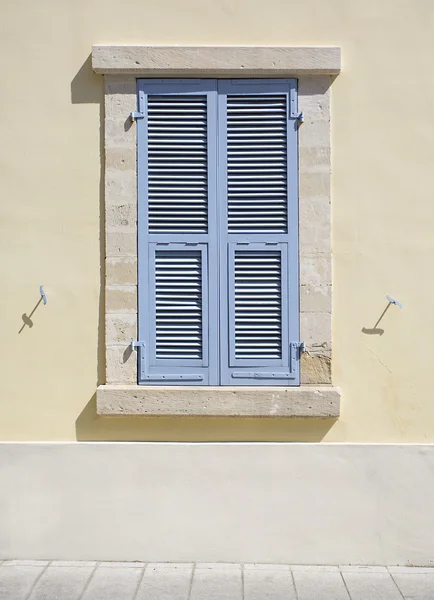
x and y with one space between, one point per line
296 503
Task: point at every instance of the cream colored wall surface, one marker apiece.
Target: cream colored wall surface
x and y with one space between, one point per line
51 202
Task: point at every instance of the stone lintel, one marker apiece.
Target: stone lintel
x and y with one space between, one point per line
216 61
195 401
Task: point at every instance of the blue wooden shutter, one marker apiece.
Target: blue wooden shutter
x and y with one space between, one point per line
177 232
258 197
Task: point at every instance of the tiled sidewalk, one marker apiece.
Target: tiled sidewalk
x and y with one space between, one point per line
59 580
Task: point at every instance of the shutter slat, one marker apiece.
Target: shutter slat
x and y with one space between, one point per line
177 164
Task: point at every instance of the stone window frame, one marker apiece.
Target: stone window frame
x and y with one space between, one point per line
315 68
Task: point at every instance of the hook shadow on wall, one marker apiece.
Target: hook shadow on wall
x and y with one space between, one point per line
378 330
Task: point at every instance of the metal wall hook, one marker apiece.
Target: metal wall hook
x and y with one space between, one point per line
43 296
393 301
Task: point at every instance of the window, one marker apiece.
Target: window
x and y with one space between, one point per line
218 287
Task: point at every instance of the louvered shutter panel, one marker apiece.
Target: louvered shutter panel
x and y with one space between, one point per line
177 233
258 197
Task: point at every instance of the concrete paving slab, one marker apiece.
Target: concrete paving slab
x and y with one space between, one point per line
65 583
268 583
320 585
161 582
113 584
16 581
378 586
220 583
416 586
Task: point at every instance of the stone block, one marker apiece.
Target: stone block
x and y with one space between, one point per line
120 133
316 270
310 401
315 369
317 133
120 187
121 217
119 243
121 270
258 61
122 159
314 184
121 299
313 159
118 105
120 328
315 226
316 331
120 84
312 87
315 298
121 365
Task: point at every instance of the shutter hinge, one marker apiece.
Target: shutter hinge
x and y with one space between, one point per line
297 115
136 344
300 346
136 115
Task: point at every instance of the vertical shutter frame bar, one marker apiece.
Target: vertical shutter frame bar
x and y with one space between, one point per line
194 371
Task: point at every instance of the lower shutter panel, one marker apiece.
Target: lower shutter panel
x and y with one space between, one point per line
177 352
257 305
260 352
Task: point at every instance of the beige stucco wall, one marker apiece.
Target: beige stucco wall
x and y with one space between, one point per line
51 201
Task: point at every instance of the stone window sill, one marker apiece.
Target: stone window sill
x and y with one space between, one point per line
194 401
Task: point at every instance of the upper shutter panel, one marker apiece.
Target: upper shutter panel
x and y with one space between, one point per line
177 232
257 163
178 169
259 232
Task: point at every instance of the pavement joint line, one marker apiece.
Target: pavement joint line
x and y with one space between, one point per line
397 586
191 581
293 583
36 581
345 584
242 582
139 583
86 585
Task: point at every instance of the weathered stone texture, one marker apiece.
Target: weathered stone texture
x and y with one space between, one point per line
239 61
310 401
